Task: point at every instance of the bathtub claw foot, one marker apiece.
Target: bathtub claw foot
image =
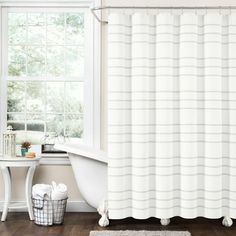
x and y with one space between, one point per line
227 221
103 211
165 222
104 221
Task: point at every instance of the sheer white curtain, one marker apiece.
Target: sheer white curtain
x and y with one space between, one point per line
172 115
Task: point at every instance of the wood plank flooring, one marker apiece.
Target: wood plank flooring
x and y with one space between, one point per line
80 224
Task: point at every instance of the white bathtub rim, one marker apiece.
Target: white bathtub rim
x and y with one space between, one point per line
83 150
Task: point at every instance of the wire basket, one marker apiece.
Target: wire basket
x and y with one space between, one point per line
49 212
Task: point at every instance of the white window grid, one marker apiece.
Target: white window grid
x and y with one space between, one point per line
88 74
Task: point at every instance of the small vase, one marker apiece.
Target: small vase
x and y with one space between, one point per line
24 151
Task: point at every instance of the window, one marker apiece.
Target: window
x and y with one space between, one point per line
47 74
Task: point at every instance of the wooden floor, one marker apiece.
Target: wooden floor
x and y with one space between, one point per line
80 224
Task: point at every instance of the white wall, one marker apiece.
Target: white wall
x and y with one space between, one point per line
64 174
43 174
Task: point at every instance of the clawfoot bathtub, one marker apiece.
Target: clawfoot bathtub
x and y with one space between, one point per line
90 170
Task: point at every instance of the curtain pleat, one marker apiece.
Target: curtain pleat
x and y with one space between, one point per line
171 115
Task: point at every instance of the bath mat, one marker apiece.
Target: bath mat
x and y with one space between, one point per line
139 233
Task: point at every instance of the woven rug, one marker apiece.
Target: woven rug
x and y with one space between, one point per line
139 233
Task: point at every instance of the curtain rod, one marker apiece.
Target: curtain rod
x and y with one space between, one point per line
160 7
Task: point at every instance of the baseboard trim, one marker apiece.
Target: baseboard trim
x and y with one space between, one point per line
79 206
72 206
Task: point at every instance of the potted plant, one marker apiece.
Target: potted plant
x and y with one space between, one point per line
25 146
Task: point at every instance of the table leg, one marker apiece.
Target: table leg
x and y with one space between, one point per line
28 187
7 186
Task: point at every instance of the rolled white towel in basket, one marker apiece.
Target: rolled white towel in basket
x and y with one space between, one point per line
41 191
42 206
58 195
59 192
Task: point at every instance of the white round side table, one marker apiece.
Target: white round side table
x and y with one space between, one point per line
5 164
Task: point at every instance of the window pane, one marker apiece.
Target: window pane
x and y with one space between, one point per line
55 124
74 61
34 137
36 61
35 122
75 29
74 97
45 45
55 61
15 96
35 128
36 28
17 121
74 125
36 19
35 96
15 18
55 28
36 35
16 60
17 28
20 137
55 97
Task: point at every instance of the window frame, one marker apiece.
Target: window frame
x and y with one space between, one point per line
92 60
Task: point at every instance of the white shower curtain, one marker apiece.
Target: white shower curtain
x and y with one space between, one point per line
172 114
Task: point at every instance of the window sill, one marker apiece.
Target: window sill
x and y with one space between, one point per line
54 159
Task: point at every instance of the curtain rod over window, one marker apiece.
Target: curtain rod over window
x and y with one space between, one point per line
100 8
